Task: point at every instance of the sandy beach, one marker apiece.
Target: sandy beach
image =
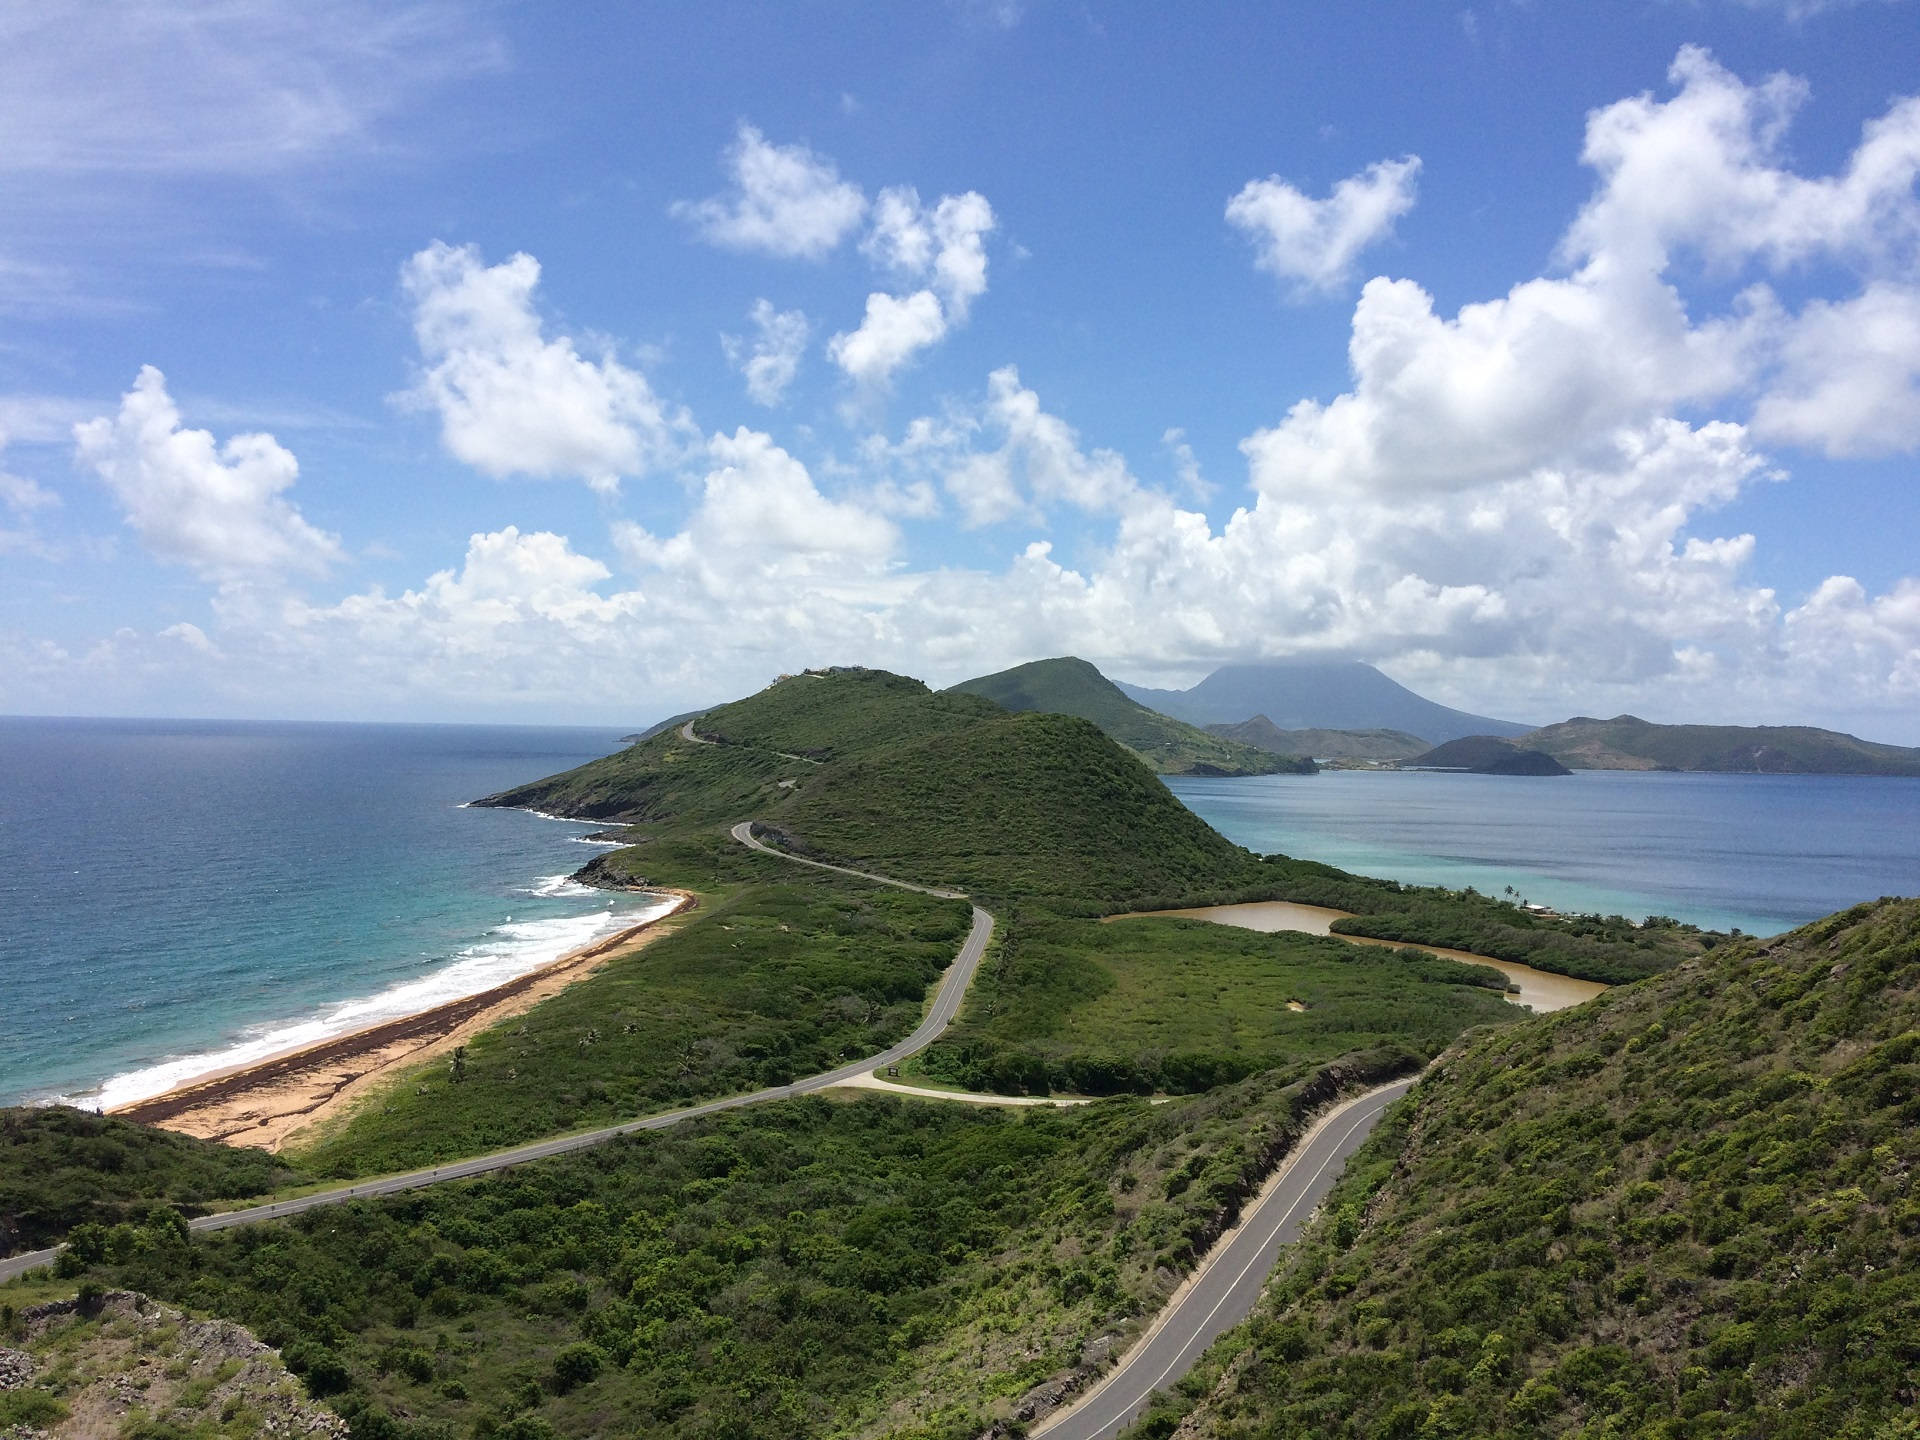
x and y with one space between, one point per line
270 1100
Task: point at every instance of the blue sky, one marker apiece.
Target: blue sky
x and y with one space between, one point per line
589 363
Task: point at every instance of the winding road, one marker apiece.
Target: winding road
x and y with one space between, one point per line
1222 1292
1219 1294
946 1004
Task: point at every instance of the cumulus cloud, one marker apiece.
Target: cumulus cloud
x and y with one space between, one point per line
785 201
512 401
944 246
772 358
1511 506
761 515
220 509
1312 246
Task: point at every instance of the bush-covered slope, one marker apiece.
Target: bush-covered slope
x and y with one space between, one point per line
1071 686
843 711
1021 804
662 778
1627 742
61 1167
1687 1209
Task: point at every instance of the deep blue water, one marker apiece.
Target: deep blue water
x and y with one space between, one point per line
176 895
1761 852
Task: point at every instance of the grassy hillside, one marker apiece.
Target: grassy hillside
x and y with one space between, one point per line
1629 743
1140 1005
781 733
1070 686
827 714
784 978
803 1269
1263 734
61 1167
1687 1209
1018 805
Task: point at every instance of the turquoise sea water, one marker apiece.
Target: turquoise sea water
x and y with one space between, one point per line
1761 852
180 895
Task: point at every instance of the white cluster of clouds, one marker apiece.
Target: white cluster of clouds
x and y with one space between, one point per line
1313 246
789 202
219 509
1510 504
511 401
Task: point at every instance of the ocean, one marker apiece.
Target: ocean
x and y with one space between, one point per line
177 896
1761 853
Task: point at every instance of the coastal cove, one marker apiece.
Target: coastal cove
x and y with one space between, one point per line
1761 852
188 896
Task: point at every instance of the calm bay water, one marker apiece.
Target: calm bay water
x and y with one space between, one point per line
1761 852
178 895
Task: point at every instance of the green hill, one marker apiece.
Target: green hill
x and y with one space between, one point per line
1032 804
1627 742
1263 734
1685 1209
1070 686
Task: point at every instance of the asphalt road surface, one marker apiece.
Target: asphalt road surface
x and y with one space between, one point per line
946 1004
1225 1292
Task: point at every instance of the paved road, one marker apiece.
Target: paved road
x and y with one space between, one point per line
946 1004
1225 1291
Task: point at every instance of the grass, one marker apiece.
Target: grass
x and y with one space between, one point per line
1686 1209
778 979
1139 1005
1029 804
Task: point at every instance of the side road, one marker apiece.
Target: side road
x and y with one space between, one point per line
1222 1292
946 1004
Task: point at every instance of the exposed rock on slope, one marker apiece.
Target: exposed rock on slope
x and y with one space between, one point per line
125 1364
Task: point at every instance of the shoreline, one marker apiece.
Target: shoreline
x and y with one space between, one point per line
264 1102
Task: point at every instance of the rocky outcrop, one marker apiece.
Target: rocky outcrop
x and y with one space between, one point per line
145 1366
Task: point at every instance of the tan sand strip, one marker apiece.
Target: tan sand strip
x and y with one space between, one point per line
262 1104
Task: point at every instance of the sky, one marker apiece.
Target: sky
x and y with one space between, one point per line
585 364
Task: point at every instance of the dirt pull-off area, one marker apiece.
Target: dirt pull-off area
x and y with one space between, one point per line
125 1364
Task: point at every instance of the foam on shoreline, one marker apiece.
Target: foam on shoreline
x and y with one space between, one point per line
511 949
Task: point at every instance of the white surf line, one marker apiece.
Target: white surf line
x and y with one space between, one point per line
946 1004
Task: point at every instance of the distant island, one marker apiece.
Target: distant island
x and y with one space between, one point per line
1487 755
1627 742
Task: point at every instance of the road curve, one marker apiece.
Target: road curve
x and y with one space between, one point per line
946 1004
1222 1293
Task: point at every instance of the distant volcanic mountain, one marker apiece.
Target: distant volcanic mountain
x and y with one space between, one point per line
1317 695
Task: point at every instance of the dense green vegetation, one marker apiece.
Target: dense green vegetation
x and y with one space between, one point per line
1263 734
1070 686
1140 1005
1627 742
783 978
799 1269
1021 804
827 714
661 778
1687 1209
61 1167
